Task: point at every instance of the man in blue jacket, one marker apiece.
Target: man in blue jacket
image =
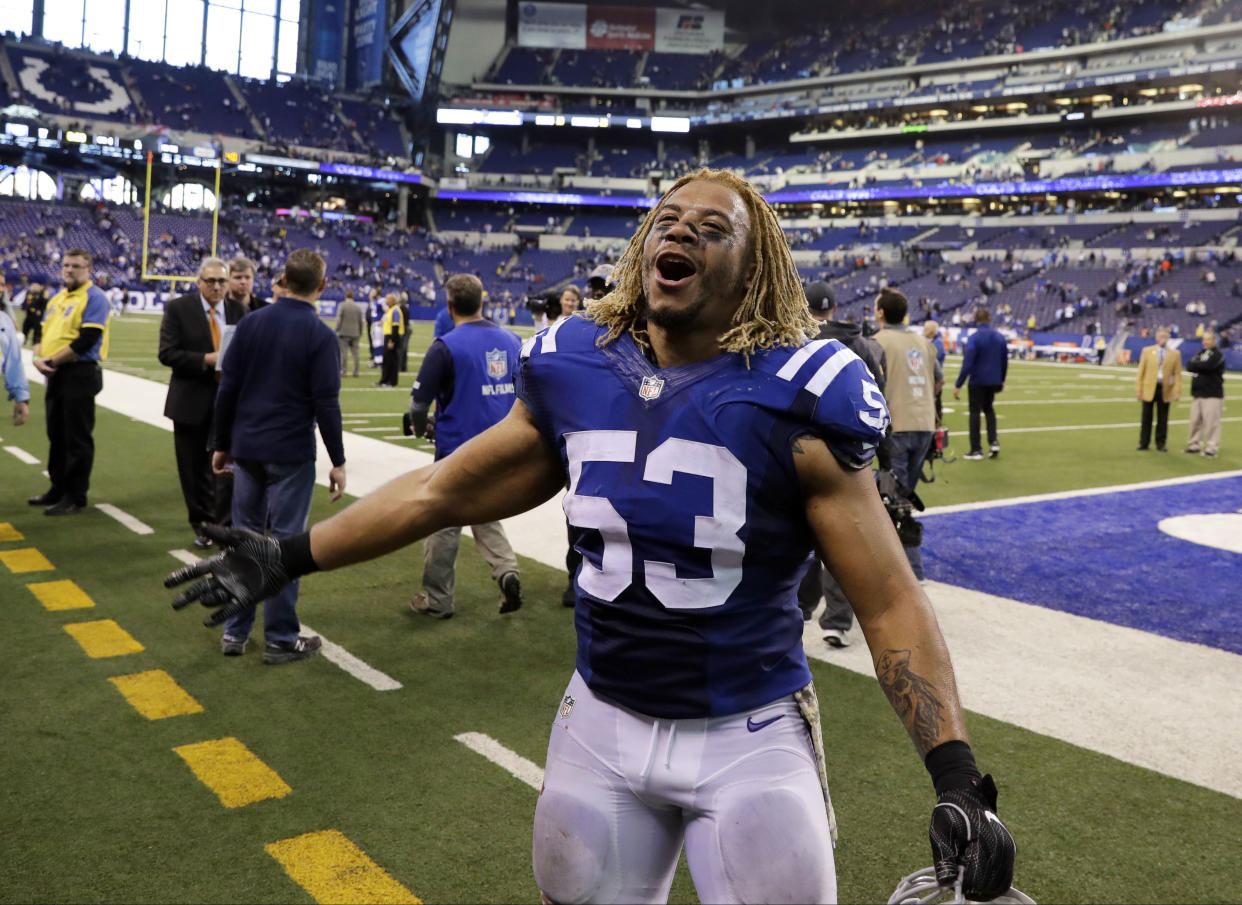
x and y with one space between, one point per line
985 365
468 373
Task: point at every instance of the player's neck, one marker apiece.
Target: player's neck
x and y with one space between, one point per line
675 349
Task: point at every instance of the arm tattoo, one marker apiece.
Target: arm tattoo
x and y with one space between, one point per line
913 697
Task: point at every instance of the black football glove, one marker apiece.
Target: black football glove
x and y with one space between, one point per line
252 568
966 833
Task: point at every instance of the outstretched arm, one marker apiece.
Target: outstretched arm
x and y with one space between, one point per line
506 470
857 542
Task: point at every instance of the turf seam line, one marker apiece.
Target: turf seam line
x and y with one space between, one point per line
1085 492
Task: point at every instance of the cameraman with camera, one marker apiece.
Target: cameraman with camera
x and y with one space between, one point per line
913 378
468 374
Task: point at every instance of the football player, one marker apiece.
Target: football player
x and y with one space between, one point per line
708 448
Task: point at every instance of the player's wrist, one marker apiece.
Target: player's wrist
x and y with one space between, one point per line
952 766
295 556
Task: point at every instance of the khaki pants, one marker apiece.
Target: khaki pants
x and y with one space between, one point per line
1205 424
440 556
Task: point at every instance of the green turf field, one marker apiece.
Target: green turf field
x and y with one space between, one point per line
96 807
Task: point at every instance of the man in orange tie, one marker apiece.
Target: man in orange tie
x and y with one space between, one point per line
1159 382
190 335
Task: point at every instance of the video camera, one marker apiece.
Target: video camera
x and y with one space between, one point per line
940 442
548 303
901 504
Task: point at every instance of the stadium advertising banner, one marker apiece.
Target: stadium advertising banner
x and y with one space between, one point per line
367 49
688 31
327 40
578 26
552 25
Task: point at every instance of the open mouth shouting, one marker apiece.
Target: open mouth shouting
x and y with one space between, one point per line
673 270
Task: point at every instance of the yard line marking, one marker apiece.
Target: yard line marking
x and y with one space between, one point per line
373 430
400 437
155 694
525 770
60 595
331 651
22 455
125 519
8 532
103 638
334 870
1073 494
359 669
1084 427
232 771
185 556
27 559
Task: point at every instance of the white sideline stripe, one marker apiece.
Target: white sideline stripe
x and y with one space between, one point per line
1165 705
1092 427
125 519
530 773
21 454
1072 494
359 669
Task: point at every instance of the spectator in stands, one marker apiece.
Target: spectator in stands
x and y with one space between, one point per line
985 363
350 322
394 329
1158 384
241 284
468 373
75 340
281 377
15 381
191 333
911 379
1207 392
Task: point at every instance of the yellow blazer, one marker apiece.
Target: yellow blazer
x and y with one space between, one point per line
1170 375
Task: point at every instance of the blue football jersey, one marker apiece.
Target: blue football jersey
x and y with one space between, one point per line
685 504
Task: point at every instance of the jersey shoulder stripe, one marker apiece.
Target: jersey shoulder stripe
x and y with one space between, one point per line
568 334
813 366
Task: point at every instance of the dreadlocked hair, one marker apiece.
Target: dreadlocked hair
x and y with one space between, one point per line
773 312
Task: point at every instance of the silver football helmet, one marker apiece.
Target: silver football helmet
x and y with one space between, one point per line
921 888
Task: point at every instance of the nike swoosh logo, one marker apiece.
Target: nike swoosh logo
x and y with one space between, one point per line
755 727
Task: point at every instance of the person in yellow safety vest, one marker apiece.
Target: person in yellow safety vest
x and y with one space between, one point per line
75 340
394 330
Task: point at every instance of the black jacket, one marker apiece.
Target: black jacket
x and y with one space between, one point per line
850 336
185 338
1209 370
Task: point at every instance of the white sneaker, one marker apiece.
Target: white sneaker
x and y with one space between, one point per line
974 456
835 638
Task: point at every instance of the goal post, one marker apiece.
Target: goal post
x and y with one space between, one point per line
173 278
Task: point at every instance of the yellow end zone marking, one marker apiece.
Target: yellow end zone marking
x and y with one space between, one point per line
27 559
103 638
155 694
8 532
229 769
334 870
60 595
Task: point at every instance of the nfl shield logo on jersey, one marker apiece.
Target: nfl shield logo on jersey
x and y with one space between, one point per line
567 706
914 359
497 364
651 388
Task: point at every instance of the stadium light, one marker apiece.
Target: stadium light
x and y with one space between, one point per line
670 124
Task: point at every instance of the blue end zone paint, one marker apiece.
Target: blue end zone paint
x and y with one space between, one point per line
1101 557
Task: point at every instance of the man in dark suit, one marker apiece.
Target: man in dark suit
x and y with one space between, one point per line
190 337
